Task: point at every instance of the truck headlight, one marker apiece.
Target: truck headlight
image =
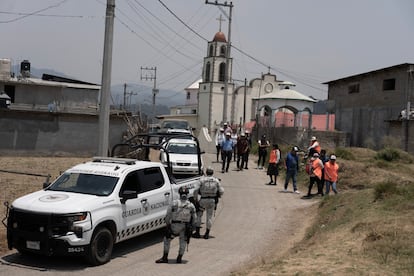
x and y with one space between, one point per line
74 222
76 219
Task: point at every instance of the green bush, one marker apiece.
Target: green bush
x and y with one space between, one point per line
385 190
388 154
344 153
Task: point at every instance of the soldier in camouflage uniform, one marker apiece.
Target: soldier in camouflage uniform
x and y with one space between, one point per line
181 216
209 191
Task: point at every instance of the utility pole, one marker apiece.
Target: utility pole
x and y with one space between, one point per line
124 105
410 72
152 76
104 110
226 73
244 102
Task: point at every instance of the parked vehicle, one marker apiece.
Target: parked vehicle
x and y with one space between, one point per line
177 126
183 156
94 205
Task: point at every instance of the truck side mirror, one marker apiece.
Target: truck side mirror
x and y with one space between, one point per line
128 194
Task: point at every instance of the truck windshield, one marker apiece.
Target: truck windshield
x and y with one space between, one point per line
182 148
175 124
92 184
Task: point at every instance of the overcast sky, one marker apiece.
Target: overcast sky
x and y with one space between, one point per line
307 42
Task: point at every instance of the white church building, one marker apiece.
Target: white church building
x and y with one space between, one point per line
261 100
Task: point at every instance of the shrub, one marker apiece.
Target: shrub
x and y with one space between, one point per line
388 154
385 189
344 153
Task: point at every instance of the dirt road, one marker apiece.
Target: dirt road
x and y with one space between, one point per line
253 223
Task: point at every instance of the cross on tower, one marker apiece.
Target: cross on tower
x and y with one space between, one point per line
220 19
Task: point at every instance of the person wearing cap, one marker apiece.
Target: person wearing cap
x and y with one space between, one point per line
226 152
180 219
235 138
219 139
263 145
315 174
242 149
331 174
314 146
207 196
292 168
227 128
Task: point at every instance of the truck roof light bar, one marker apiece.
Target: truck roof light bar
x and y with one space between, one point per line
125 161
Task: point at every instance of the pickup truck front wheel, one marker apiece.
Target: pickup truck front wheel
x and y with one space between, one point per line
101 246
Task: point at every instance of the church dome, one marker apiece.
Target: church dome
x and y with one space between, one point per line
219 37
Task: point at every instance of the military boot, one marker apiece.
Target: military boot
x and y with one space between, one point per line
179 259
164 259
197 233
207 234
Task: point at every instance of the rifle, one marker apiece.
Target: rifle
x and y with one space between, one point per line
168 232
188 232
216 201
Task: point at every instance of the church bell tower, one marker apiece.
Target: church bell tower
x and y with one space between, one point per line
211 90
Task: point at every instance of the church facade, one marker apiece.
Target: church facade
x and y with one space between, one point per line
262 100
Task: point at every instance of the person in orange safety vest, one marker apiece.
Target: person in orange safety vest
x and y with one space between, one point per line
314 147
316 167
273 168
331 174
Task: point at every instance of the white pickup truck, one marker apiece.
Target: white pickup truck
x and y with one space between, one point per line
92 206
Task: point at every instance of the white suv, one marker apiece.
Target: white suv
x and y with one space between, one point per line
183 155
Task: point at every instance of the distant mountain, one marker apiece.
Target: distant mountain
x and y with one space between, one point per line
141 94
137 97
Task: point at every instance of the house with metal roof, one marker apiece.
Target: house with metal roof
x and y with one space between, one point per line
372 106
52 115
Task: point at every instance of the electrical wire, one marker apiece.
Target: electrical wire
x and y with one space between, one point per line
34 13
185 24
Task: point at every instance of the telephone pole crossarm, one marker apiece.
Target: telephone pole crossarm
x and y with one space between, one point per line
153 76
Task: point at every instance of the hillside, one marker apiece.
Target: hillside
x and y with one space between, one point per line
364 230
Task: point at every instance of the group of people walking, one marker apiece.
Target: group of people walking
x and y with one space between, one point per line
322 170
183 215
230 145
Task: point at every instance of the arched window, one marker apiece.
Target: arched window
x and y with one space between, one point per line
211 52
222 71
207 78
223 51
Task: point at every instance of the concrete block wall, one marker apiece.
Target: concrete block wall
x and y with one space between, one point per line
54 133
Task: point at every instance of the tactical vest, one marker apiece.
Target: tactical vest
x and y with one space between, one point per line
208 187
181 211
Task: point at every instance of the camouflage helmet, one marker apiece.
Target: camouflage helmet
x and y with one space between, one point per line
209 171
183 190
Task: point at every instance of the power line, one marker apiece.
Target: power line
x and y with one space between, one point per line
185 24
50 15
34 13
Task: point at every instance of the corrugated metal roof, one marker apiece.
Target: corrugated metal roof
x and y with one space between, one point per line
35 81
370 72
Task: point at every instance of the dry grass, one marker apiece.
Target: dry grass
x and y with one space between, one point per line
15 185
364 230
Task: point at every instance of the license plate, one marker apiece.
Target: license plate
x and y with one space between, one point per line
33 245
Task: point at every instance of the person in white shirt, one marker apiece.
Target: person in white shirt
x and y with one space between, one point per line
219 139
